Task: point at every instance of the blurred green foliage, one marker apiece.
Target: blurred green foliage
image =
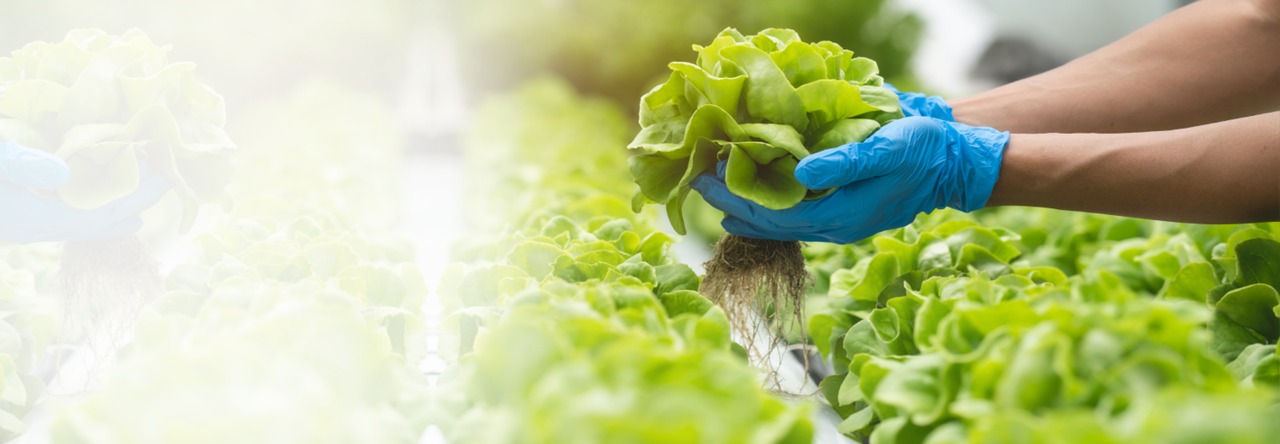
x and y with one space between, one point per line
569 319
245 49
248 49
620 49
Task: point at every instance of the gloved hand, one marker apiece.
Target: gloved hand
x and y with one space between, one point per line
916 104
27 217
912 165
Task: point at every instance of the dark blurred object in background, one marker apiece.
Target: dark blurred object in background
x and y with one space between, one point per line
1010 58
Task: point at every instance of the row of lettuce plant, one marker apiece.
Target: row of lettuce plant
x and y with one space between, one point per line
28 325
576 325
291 319
1027 325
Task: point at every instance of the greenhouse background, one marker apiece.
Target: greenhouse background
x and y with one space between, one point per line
412 221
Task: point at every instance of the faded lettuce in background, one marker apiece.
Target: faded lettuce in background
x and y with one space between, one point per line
114 108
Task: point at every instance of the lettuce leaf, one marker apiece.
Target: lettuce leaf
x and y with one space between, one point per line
115 108
760 103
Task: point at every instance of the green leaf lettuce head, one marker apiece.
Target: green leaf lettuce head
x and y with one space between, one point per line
114 107
760 103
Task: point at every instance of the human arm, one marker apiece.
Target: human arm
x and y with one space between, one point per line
1225 172
1210 61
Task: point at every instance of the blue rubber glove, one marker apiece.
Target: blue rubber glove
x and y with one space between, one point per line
27 217
912 165
916 104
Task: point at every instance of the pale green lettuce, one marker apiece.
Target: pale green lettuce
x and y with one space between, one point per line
112 106
291 319
279 363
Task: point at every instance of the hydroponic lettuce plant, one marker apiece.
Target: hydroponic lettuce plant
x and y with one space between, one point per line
111 107
116 110
759 104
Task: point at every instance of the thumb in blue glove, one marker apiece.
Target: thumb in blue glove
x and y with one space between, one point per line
916 104
27 217
912 165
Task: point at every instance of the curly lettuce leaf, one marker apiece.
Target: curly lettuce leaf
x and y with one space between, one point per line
763 102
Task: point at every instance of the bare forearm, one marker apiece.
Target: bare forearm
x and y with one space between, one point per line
1211 61
1227 172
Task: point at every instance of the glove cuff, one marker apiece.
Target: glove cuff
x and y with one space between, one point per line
926 106
977 153
937 108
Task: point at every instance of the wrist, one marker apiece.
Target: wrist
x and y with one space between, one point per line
1016 182
980 110
1031 171
1015 107
964 110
